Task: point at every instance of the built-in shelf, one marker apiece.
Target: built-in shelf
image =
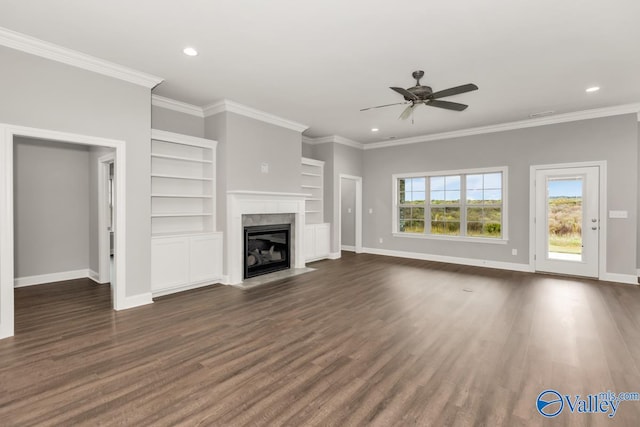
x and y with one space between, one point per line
313 185
193 178
182 184
183 196
180 158
186 250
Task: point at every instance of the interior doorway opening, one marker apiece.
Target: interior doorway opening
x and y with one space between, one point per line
350 213
8 134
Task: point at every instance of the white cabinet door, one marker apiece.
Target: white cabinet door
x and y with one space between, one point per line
169 262
206 258
309 241
322 240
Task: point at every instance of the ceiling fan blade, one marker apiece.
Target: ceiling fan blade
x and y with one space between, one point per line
380 106
407 112
454 91
405 93
447 105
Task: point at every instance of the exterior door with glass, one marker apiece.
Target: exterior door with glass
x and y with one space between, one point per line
567 221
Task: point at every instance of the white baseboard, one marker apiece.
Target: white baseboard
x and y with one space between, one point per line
96 277
628 279
20 282
451 260
348 248
334 255
136 301
173 290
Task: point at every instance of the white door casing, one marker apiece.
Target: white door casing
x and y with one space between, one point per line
585 261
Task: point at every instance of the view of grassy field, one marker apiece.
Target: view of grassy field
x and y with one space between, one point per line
565 225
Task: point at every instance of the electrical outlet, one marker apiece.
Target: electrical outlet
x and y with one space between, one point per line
514 252
264 168
370 210
348 210
380 240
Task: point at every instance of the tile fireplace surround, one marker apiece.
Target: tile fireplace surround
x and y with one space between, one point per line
264 207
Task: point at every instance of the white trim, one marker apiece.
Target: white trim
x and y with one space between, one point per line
41 279
173 290
628 279
233 107
95 277
34 46
333 138
602 238
505 209
358 211
522 124
7 133
451 260
178 138
104 236
136 301
451 238
334 255
348 248
179 106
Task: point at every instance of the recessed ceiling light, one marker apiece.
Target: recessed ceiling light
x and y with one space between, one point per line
374 129
593 89
189 51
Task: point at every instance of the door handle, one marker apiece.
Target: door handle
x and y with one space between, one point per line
594 228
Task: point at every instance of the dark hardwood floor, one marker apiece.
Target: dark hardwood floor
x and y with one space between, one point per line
365 340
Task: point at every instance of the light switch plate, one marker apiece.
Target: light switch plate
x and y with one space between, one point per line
618 214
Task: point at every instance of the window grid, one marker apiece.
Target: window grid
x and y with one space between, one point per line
450 208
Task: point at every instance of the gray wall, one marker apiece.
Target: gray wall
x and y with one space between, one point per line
51 207
348 214
250 143
40 93
307 150
614 139
175 121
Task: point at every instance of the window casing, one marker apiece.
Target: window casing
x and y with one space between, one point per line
458 205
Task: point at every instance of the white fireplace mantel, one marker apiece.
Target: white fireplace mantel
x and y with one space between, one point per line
260 202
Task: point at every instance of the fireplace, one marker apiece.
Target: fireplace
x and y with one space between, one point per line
267 248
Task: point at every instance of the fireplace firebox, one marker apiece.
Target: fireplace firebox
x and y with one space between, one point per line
266 249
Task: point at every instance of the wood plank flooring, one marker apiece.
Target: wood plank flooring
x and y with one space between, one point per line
364 340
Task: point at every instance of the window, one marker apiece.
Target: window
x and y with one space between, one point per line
460 204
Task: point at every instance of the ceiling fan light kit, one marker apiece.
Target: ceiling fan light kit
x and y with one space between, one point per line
419 94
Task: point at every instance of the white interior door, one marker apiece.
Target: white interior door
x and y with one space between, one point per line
567 221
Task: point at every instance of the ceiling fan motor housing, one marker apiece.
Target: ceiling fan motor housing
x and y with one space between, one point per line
422 92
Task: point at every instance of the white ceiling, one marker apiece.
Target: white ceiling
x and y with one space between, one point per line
320 62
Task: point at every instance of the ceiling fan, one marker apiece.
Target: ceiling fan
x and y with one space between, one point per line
425 95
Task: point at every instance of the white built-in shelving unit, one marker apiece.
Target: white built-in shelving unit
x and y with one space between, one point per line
313 185
186 250
317 232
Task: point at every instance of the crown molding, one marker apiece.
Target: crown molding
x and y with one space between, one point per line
233 107
522 124
333 138
34 46
172 104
